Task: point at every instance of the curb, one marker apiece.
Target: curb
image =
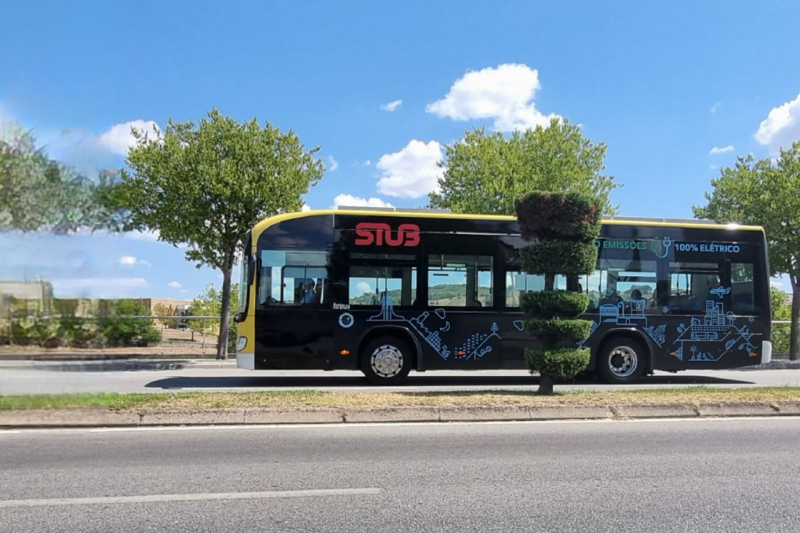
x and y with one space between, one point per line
115 365
479 413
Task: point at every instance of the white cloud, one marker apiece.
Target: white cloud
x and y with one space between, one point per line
348 200
722 150
119 137
184 291
305 208
97 286
781 127
391 106
504 94
147 235
363 287
412 172
332 164
127 260
715 107
174 285
367 163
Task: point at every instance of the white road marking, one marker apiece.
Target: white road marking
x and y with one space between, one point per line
353 425
159 498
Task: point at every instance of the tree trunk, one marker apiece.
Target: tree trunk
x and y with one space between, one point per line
549 283
794 345
222 344
545 385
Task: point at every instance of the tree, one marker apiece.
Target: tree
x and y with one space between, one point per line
765 193
165 310
40 194
209 303
562 229
485 173
780 311
207 184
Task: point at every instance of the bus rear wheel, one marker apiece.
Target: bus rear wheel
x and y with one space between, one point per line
386 360
621 360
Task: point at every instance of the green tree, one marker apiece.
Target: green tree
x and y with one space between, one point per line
40 194
485 173
561 229
209 303
206 184
780 311
764 192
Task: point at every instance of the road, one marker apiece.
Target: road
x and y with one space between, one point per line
22 380
655 476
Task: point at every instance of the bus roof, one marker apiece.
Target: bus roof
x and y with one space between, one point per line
433 213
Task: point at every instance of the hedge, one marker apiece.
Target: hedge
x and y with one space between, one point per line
554 304
559 257
571 216
551 331
557 363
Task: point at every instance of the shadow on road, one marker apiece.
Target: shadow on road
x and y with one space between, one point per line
418 380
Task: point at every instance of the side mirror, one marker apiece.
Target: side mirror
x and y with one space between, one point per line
239 317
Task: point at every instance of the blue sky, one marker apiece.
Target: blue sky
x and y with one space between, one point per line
661 83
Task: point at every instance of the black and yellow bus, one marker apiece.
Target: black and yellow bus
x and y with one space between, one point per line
389 291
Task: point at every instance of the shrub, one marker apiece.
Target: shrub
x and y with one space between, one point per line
554 304
564 228
557 363
552 331
559 257
572 216
118 328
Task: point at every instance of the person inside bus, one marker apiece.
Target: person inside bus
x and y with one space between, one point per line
310 296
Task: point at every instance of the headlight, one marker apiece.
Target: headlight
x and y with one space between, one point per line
241 342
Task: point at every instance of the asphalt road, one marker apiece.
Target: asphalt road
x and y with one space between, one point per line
24 380
663 476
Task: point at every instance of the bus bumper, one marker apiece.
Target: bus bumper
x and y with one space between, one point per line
766 352
246 361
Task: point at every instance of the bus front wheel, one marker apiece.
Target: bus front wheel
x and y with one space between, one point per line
621 360
386 360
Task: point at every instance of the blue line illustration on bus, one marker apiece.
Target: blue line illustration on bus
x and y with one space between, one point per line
617 314
711 337
475 346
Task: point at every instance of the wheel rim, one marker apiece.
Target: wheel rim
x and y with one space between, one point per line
622 361
387 361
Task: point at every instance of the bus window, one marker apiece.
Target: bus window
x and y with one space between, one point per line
690 286
460 281
292 277
518 283
616 281
742 288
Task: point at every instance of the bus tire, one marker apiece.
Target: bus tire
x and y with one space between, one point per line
386 360
621 360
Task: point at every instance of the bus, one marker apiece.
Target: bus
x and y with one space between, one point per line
389 291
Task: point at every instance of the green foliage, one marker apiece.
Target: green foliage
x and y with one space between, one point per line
572 217
119 329
559 257
764 193
554 304
552 331
486 172
40 194
557 363
209 303
208 183
780 311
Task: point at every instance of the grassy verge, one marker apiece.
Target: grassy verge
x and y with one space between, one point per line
312 399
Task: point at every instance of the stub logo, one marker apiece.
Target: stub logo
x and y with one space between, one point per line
380 233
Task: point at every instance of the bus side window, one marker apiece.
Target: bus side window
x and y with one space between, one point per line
691 285
743 288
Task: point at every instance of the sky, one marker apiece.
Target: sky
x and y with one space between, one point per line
676 90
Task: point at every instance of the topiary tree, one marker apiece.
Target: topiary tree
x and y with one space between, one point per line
562 229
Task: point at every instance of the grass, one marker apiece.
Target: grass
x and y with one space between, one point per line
344 400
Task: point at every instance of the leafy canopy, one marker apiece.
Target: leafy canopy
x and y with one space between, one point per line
485 173
40 194
208 184
766 194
